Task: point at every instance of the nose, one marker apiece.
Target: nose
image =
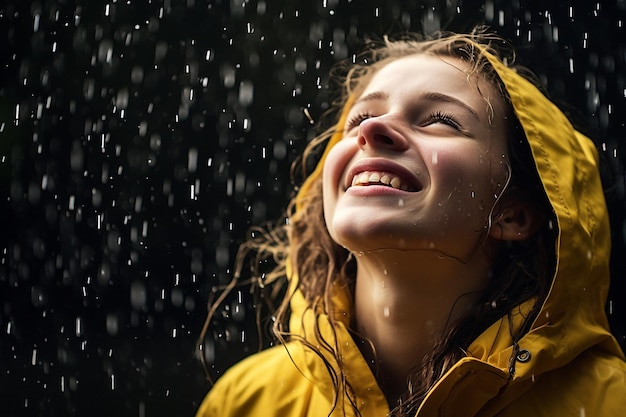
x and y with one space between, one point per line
379 132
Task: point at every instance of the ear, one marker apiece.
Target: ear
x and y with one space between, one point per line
517 219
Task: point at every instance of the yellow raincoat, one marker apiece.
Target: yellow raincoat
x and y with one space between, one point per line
568 364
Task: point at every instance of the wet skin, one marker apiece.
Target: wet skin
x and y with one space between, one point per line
423 127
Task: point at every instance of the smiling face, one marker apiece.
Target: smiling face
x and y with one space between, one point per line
421 163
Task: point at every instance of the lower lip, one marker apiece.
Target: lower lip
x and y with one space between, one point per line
374 190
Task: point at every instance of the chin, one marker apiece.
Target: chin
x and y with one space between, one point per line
359 238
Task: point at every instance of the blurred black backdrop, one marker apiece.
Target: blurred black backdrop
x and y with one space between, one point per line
140 140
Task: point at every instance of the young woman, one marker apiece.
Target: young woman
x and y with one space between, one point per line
448 256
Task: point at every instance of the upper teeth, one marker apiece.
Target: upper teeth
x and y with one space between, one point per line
376 177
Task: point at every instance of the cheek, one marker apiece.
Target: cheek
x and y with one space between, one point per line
333 172
452 164
468 172
335 165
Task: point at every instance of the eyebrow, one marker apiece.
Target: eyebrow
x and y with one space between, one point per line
430 95
435 96
377 95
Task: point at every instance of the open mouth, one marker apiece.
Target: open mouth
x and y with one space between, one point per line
388 179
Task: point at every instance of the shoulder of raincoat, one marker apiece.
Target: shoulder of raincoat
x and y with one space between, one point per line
567 364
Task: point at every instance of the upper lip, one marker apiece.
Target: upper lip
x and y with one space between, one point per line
383 165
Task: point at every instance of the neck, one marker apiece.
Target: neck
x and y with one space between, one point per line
404 310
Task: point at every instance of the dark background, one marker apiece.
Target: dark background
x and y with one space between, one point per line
140 140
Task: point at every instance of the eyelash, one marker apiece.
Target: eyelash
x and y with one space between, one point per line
445 118
436 117
354 121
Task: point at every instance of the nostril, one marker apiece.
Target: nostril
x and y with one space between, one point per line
383 139
378 131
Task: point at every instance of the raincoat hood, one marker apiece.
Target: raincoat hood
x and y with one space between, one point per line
573 315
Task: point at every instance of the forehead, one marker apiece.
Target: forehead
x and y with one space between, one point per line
423 67
434 73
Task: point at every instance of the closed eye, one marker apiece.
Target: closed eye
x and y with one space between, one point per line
445 118
356 120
